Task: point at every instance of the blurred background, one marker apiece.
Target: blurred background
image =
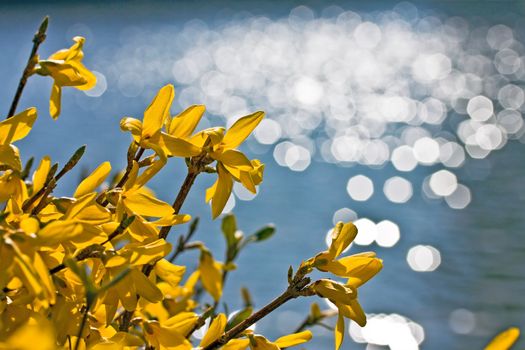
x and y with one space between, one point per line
404 117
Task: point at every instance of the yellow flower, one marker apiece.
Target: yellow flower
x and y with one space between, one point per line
148 132
357 268
11 130
66 69
504 340
231 164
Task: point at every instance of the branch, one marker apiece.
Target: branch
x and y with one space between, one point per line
38 39
296 289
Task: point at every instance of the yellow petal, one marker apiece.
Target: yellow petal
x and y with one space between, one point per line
133 175
261 343
234 161
146 205
64 73
151 171
40 174
504 340
169 272
211 275
216 329
177 147
127 293
157 111
95 179
74 52
132 125
293 339
247 181
145 288
334 291
212 135
241 129
183 125
32 336
171 220
59 231
17 127
360 269
10 156
342 236
210 191
353 311
182 322
145 254
339 331
87 75
164 338
54 101
79 205
236 344
45 278
94 214
257 172
222 192
29 225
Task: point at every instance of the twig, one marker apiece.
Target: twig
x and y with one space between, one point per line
183 240
131 157
51 184
296 289
82 324
38 39
181 197
309 322
94 250
88 252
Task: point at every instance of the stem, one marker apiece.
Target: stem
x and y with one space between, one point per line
290 293
125 177
103 201
183 240
181 197
82 325
308 322
38 39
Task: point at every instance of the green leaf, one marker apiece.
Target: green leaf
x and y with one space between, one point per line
239 317
229 227
263 234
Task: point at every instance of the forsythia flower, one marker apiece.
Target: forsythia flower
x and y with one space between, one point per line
358 269
66 69
91 271
148 133
231 164
11 130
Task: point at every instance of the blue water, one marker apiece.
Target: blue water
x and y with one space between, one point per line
482 247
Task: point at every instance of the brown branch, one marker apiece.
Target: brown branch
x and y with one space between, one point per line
38 39
183 240
181 197
296 289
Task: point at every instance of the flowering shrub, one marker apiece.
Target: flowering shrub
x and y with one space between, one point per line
95 270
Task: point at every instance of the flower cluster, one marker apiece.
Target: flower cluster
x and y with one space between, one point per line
96 271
